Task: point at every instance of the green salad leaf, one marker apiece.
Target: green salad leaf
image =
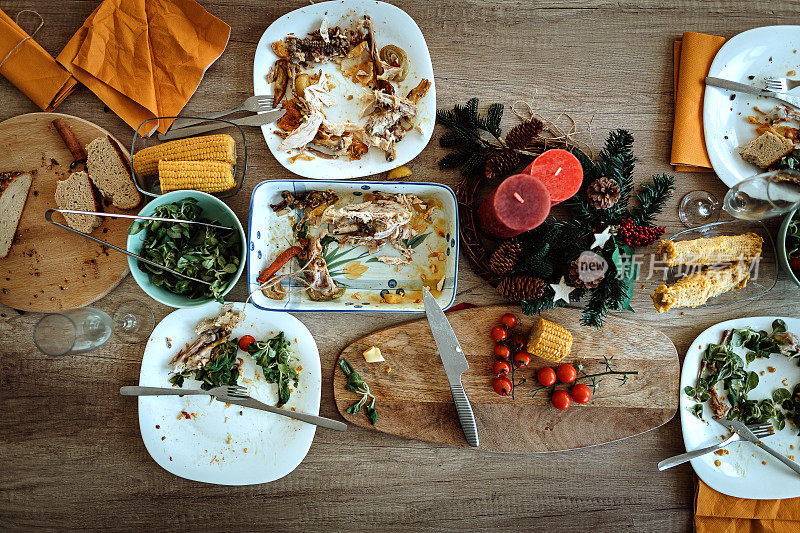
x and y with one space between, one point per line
273 358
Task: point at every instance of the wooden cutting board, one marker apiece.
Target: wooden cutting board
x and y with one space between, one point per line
414 400
50 268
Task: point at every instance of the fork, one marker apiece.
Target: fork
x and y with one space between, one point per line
747 434
256 104
237 395
760 430
781 85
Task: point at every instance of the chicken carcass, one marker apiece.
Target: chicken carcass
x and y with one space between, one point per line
212 332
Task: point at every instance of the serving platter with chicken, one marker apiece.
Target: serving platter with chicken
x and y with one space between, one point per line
357 85
352 246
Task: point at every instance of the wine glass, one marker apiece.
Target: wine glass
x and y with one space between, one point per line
77 331
133 321
758 197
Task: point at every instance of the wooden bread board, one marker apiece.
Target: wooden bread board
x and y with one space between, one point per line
414 399
50 268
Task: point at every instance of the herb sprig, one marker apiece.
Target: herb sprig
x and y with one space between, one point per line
358 386
273 357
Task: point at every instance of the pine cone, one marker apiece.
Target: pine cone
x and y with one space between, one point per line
521 287
575 280
522 134
603 193
504 259
501 164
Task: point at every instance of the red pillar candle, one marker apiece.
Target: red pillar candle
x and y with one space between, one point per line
560 171
517 205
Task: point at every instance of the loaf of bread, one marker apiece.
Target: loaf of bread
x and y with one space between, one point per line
14 189
76 192
766 149
110 173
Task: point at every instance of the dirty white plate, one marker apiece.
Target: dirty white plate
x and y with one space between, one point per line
354 267
766 52
228 445
741 472
392 26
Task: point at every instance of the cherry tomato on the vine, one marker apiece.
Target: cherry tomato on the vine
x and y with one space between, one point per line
519 342
502 386
499 333
581 393
546 376
566 373
561 400
522 359
509 320
501 350
501 367
245 342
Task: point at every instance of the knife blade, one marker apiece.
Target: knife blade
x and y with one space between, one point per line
303 417
750 89
746 434
252 120
455 364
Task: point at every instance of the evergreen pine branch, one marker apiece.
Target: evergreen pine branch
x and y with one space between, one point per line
458 136
446 117
473 164
618 162
454 159
605 297
491 121
651 197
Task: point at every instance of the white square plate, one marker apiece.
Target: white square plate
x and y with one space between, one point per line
227 445
392 26
741 472
766 52
435 254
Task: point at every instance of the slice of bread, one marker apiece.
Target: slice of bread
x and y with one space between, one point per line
76 192
13 194
766 149
109 171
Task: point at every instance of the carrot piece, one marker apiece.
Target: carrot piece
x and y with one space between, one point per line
276 265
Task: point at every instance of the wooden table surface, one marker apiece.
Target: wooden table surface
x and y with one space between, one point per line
70 451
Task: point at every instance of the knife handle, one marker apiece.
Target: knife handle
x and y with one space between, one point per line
465 414
780 457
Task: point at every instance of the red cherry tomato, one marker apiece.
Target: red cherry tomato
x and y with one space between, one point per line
519 342
509 320
245 342
501 350
794 264
566 373
561 400
581 393
499 333
546 376
522 359
502 386
501 367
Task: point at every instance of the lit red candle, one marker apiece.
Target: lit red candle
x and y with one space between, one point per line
559 171
519 204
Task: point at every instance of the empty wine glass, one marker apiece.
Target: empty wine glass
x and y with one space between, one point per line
133 321
759 197
77 331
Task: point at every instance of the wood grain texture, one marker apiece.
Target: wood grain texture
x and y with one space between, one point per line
69 444
414 399
50 268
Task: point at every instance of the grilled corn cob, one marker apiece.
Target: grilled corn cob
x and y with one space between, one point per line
711 251
549 341
219 147
205 176
695 289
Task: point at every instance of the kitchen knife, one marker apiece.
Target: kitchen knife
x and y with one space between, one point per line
455 364
252 120
750 89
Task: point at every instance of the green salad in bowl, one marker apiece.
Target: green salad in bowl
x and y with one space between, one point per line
213 255
789 249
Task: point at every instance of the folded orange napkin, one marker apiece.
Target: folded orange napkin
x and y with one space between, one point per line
30 68
717 513
145 58
693 56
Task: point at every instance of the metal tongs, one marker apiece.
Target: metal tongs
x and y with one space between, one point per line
48 216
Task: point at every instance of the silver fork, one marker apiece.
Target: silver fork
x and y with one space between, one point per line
760 430
781 85
256 104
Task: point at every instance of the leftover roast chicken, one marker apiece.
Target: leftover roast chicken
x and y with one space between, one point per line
305 93
778 143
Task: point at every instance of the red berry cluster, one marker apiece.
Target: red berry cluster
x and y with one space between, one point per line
634 235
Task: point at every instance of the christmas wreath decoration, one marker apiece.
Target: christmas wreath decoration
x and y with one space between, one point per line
533 268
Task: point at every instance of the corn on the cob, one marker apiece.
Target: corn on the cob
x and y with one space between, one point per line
205 176
549 341
711 251
219 147
695 289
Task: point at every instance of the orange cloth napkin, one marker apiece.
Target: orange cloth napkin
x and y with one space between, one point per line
717 513
31 69
693 56
145 58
